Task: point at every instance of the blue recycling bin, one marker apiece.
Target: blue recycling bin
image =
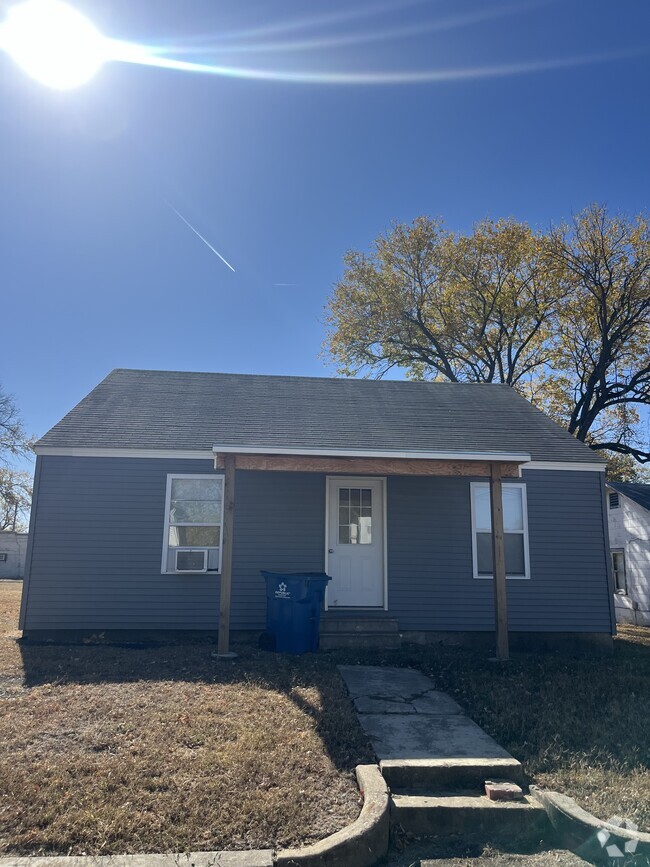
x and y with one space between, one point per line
293 606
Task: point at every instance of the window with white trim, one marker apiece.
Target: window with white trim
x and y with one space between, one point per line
193 524
515 530
618 571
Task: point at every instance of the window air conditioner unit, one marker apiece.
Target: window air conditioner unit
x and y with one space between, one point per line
191 560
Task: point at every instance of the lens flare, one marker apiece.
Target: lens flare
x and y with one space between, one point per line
53 43
146 56
60 47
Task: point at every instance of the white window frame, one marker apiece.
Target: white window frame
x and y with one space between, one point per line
524 508
618 590
165 551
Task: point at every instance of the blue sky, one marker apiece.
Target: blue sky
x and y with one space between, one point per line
281 177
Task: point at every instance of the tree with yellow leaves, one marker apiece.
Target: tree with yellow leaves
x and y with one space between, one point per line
563 316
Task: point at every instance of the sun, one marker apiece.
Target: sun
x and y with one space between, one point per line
53 43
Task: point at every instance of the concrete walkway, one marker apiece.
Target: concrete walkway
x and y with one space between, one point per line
407 718
260 858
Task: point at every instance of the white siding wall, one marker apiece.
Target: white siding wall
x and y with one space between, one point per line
629 530
14 545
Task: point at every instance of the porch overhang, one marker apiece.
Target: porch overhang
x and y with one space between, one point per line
494 465
371 461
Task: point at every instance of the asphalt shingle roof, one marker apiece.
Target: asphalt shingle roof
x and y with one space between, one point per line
639 493
155 409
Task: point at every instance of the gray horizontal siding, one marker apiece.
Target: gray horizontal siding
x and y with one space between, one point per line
279 526
97 549
430 557
98 533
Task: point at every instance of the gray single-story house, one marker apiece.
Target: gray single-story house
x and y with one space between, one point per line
160 497
628 507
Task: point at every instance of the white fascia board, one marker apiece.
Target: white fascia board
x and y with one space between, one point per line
515 457
189 454
204 454
585 466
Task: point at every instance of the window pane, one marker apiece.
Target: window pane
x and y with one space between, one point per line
187 561
514 553
618 565
195 537
365 530
195 512
197 489
515 561
513 515
355 519
484 553
482 508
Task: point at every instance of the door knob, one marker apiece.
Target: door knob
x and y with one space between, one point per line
330 550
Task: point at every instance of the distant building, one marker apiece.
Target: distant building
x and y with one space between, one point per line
13 547
628 511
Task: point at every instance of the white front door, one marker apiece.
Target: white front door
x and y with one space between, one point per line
355 543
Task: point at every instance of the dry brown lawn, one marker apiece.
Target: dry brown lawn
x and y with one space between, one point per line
118 750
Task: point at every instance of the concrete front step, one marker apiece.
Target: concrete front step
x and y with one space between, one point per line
370 640
468 814
330 624
442 774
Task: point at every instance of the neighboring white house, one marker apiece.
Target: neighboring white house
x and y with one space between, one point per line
628 510
13 547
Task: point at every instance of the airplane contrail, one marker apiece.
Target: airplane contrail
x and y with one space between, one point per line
199 235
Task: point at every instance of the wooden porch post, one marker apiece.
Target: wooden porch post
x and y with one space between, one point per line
223 646
499 563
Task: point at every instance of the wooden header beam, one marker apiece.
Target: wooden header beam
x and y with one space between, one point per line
365 466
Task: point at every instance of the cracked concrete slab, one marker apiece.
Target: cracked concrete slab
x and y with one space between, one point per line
407 718
379 682
423 736
371 704
436 702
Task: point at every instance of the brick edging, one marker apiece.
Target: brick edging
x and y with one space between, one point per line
578 829
362 843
